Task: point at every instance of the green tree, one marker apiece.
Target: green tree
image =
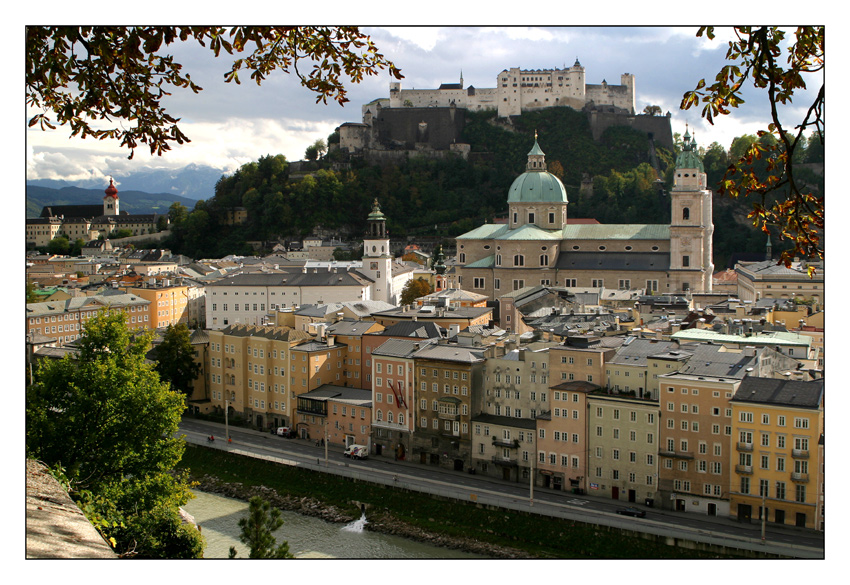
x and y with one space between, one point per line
177 213
59 245
106 418
31 296
413 289
257 528
315 150
78 74
756 54
175 359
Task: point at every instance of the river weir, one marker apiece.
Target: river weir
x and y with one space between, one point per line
308 537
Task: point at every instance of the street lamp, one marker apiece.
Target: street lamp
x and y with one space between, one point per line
226 428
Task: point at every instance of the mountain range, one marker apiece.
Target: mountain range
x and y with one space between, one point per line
150 190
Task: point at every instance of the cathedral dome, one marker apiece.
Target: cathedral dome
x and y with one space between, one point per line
536 184
537 187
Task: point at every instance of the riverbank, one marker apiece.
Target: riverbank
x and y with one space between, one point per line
379 521
487 531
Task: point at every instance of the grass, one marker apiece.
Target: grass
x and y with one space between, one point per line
539 536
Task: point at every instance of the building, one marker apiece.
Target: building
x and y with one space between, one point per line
88 222
695 425
393 400
539 245
519 90
335 415
777 432
63 321
448 378
169 303
253 373
767 279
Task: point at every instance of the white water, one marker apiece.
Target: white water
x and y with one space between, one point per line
308 537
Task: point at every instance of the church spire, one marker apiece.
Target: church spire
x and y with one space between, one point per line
536 157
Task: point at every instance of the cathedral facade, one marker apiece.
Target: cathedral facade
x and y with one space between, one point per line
540 245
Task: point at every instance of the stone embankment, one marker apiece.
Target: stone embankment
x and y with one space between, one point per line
380 521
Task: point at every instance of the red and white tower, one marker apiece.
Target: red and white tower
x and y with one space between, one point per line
110 200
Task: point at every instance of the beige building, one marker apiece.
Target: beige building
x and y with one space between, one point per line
767 279
169 304
539 245
623 447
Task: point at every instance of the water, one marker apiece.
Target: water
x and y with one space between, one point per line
308 537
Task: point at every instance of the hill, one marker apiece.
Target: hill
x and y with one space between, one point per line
131 201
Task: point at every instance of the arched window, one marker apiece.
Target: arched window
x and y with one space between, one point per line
390 416
400 419
380 416
686 213
544 260
519 260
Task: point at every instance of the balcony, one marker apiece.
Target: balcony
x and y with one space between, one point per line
800 477
744 446
745 469
448 416
800 453
510 443
676 454
504 462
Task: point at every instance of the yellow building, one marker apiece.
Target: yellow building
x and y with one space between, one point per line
169 304
777 427
63 321
250 369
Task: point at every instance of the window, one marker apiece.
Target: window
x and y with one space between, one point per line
801 423
519 260
544 260
686 261
478 282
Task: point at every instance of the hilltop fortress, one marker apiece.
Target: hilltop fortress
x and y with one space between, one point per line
430 122
518 91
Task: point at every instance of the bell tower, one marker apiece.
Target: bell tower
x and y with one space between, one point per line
377 259
110 200
691 224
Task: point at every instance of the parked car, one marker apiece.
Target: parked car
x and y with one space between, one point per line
357 451
630 511
285 432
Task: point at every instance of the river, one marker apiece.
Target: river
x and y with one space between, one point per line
308 537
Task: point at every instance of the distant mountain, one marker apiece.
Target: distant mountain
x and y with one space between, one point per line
130 201
192 182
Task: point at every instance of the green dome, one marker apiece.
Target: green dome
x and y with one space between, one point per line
537 187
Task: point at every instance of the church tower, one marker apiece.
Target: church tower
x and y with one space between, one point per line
110 200
691 224
377 260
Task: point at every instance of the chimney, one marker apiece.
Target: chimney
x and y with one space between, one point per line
331 340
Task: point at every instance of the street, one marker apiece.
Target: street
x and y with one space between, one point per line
783 540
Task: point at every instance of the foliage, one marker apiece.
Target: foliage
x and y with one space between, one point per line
755 54
413 289
32 297
108 420
175 359
315 150
81 75
257 528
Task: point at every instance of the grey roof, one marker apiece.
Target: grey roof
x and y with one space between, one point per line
401 348
636 261
318 278
113 299
712 360
418 329
349 327
357 396
452 353
634 351
266 332
781 392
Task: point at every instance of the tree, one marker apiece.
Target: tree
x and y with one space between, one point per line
105 417
414 289
315 150
257 528
79 75
755 54
59 245
175 359
652 110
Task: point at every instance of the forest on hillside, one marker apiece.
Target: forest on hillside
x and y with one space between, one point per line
446 197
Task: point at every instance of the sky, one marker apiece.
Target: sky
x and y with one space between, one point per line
230 125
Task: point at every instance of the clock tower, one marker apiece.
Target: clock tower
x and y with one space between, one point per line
377 259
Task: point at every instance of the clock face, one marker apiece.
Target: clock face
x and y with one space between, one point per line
373 265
